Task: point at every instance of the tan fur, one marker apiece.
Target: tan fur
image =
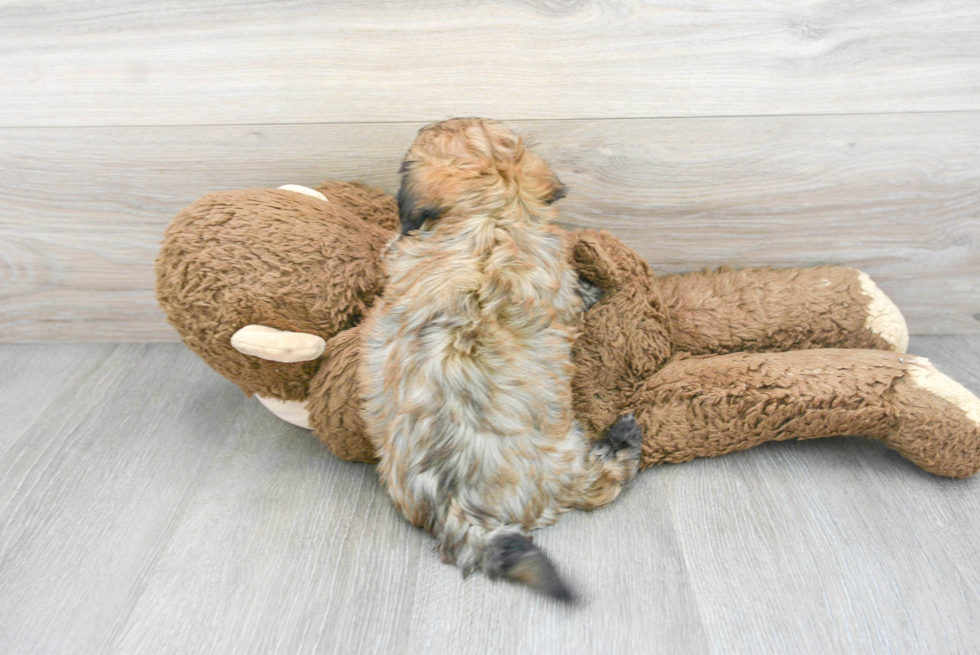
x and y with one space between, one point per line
467 369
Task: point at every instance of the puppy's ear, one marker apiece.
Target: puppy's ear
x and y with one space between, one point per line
411 213
559 192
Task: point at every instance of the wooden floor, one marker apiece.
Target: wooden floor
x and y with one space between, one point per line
147 506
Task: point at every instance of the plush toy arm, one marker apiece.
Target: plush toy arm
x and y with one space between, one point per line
708 406
624 338
335 399
773 310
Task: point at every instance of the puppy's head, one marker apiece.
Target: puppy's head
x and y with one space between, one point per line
471 165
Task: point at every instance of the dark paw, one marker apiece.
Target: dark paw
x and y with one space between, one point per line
590 293
623 435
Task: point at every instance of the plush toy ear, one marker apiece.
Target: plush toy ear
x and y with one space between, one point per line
592 260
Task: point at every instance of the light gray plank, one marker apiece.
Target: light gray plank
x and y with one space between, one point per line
794 548
945 513
112 62
34 380
624 561
285 549
837 545
82 211
91 491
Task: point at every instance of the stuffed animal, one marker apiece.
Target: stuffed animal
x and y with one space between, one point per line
269 286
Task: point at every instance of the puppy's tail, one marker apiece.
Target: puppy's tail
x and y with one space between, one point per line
514 557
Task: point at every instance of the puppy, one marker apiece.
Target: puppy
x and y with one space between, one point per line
466 369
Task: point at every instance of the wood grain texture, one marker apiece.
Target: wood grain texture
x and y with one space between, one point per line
112 62
827 532
147 506
625 563
841 529
92 489
82 211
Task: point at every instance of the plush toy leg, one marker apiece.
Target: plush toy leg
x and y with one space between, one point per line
776 310
707 406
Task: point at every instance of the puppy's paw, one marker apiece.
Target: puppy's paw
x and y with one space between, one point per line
622 442
590 293
624 434
618 456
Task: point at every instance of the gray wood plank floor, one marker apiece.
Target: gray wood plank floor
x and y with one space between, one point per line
147 506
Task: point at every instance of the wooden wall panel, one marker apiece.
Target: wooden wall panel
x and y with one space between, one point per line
181 62
82 210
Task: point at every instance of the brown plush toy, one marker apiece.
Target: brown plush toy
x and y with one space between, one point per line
268 287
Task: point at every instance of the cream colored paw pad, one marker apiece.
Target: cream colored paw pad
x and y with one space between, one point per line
884 318
291 411
926 376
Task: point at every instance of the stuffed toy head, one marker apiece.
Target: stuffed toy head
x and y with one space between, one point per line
280 259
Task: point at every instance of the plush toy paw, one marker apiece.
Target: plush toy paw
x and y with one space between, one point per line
277 345
884 318
938 421
926 376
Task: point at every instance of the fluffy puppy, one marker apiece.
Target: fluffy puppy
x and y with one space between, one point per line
467 366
